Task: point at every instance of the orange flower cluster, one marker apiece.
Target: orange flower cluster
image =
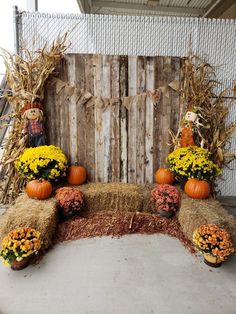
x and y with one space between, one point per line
214 240
70 199
20 243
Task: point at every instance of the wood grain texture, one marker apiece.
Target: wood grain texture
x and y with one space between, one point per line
114 143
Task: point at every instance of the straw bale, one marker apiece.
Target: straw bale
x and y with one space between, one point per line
27 212
116 197
194 213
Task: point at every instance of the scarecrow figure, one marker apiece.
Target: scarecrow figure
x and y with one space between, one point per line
33 124
190 125
187 131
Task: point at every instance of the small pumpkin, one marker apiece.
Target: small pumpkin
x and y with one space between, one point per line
164 176
39 189
196 188
76 174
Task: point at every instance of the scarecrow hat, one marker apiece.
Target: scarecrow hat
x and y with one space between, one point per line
28 106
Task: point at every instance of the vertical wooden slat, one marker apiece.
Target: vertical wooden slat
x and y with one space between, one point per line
157 115
106 116
132 120
99 141
80 76
123 120
166 118
175 108
140 121
72 108
90 121
61 105
48 113
114 174
149 172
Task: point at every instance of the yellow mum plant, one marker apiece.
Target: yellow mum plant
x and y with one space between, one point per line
213 240
192 162
18 244
43 162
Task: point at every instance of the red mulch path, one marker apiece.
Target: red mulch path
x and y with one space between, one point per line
117 224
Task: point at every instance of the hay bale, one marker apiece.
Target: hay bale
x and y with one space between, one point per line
194 213
112 196
27 212
116 197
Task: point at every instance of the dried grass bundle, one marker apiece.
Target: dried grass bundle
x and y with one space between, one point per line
26 79
27 212
194 213
197 92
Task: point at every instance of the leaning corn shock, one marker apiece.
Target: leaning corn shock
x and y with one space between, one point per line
20 243
214 240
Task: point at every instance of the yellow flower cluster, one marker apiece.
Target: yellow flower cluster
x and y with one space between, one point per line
20 243
43 162
192 162
214 240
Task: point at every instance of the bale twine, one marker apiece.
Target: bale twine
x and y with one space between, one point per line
27 212
194 213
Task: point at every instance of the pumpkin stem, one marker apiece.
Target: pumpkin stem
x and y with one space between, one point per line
76 163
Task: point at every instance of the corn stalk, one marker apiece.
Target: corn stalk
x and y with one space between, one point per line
26 79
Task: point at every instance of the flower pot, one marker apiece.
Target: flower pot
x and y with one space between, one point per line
65 215
167 214
211 260
18 265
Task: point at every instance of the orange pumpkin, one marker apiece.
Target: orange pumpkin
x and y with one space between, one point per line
76 175
39 189
197 188
164 176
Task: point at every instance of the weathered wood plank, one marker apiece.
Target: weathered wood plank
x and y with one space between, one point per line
150 85
166 118
106 116
175 108
61 115
123 120
114 174
140 121
157 115
132 120
72 107
80 76
99 140
89 129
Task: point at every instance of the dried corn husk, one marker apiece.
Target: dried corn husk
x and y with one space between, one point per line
26 78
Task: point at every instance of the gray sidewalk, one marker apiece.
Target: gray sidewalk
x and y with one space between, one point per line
135 274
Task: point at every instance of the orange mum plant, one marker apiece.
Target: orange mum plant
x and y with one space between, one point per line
69 199
213 240
19 244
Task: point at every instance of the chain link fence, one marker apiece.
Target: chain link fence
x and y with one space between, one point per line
212 39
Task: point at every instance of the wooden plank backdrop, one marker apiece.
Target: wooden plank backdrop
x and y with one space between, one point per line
116 144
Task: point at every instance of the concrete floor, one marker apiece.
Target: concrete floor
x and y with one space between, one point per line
135 274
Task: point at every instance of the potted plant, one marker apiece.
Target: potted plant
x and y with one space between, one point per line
167 199
192 162
214 243
19 246
70 201
39 164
